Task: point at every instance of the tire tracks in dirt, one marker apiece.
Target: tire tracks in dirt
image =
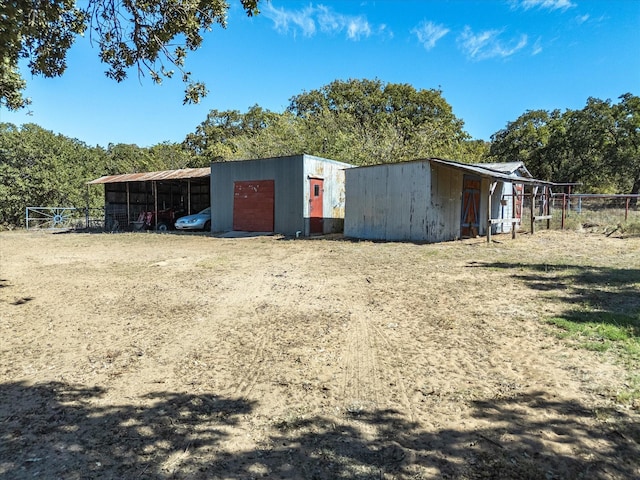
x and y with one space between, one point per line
363 383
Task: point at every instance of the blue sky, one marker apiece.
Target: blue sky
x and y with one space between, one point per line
492 59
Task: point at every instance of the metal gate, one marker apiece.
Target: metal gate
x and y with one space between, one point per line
63 218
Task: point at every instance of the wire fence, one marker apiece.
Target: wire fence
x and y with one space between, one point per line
578 211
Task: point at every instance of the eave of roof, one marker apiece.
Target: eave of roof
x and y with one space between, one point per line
471 168
507 167
488 172
181 174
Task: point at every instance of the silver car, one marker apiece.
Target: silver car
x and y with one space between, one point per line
197 221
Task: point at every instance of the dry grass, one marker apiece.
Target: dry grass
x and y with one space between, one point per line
187 356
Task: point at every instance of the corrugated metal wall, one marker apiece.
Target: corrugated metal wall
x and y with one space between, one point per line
332 173
285 171
414 201
292 192
503 192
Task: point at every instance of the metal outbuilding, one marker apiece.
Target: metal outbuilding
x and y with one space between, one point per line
184 190
435 200
292 195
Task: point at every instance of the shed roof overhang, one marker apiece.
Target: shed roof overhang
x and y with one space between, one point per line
181 174
490 173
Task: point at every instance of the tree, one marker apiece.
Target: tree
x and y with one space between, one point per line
368 121
40 168
128 33
626 158
597 146
171 156
216 137
355 121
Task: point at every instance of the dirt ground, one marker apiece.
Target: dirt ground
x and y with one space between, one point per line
161 356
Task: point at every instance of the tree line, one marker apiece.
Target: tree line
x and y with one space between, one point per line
356 121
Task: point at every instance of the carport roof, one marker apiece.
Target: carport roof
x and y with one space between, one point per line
181 174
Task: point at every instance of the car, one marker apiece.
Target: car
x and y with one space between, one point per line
197 221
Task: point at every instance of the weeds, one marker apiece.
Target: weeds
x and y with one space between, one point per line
614 333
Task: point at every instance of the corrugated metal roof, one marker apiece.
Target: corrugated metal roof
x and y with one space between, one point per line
181 174
488 172
507 167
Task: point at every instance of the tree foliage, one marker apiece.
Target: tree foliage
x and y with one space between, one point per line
597 146
356 121
40 168
141 34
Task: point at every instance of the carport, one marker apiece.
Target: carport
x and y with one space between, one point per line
169 192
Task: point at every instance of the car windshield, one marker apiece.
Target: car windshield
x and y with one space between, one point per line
206 211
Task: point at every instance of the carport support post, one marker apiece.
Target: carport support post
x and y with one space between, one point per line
128 207
189 196
155 203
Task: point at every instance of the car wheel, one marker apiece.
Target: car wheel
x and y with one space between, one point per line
207 226
162 227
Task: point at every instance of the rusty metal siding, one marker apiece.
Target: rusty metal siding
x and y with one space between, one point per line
389 202
445 209
332 172
414 201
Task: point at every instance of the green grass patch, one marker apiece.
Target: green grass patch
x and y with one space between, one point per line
618 334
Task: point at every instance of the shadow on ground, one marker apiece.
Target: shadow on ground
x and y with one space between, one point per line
596 294
57 430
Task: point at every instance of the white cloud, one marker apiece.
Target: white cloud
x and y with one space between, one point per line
286 20
582 18
429 33
487 44
310 19
549 4
537 47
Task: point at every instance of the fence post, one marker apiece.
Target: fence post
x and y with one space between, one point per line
548 202
626 209
534 191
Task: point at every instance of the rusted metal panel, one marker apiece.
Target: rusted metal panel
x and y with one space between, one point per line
183 173
333 195
390 202
422 200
